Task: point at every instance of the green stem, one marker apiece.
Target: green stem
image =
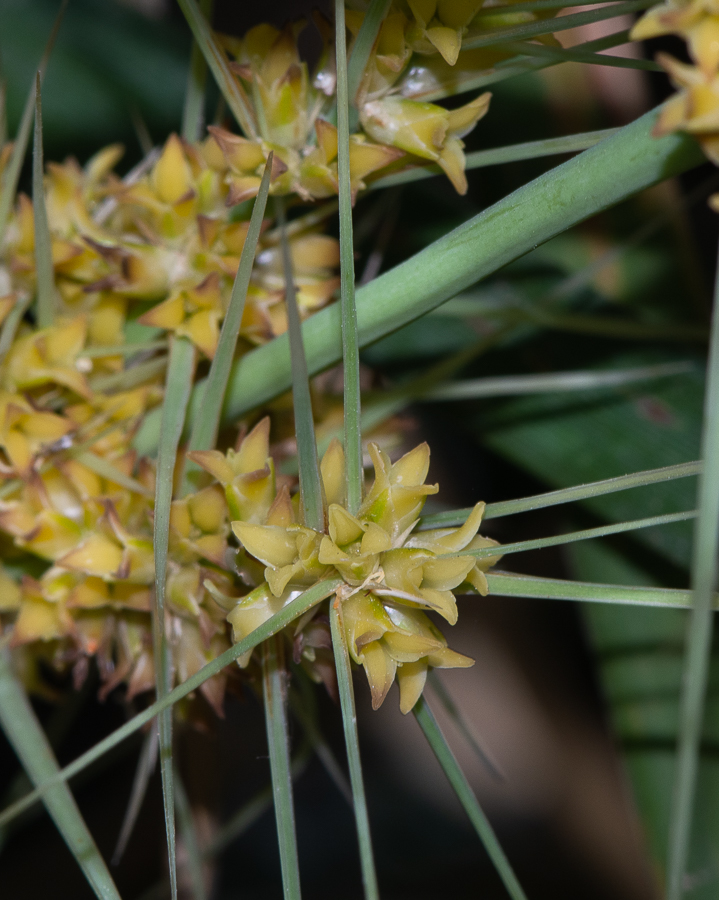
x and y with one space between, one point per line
180 374
573 536
465 795
11 175
207 421
310 482
595 180
216 60
505 585
350 340
363 44
699 639
571 143
193 113
44 272
565 495
552 26
349 722
274 687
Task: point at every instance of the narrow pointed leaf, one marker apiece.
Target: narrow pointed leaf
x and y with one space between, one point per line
10 325
585 535
349 723
320 747
310 483
101 466
699 638
145 767
274 692
565 495
34 752
367 35
295 608
217 61
44 273
465 795
512 385
11 175
180 373
571 54
496 156
193 113
552 26
350 339
207 421
455 714
189 837
505 585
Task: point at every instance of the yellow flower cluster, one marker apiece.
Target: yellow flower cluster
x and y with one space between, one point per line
695 108
391 577
139 261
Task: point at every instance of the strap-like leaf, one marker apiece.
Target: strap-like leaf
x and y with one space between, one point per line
465 795
34 752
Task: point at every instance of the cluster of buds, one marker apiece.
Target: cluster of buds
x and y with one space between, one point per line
140 261
292 109
391 577
695 108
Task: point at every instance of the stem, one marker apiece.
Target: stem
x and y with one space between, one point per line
274 687
193 113
45 276
350 339
698 652
465 795
310 483
349 721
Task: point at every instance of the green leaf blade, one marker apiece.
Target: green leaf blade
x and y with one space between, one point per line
180 375
44 272
349 723
33 749
274 693
456 777
704 572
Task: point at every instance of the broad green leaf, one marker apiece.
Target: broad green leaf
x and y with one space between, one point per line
595 180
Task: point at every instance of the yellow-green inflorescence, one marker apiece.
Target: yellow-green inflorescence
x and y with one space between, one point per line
392 577
140 261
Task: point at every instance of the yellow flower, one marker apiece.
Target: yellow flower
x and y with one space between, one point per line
695 20
389 575
426 130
